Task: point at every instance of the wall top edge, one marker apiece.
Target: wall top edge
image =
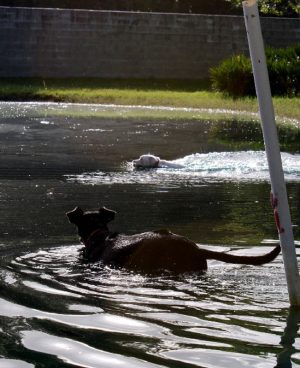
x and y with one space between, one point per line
117 12
93 11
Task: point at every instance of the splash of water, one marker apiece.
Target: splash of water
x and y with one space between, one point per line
242 166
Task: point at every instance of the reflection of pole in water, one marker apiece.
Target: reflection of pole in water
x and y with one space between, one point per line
279 198
288 339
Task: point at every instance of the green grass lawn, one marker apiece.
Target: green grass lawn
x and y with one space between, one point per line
195 94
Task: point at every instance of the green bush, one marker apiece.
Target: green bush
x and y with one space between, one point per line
284 70
234 75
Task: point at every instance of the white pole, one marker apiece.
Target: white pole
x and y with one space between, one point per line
279 198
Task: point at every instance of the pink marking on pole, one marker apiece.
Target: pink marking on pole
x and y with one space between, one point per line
274 204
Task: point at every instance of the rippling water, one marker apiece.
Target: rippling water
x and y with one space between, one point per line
56 311
245 166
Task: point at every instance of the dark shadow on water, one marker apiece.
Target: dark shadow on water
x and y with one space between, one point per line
240 134
288 339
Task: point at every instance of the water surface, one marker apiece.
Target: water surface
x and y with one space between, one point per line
56 311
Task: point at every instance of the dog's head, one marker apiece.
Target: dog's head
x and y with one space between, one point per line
88 222
146 162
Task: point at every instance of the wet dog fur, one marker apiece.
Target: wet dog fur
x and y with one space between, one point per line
149 161
149 252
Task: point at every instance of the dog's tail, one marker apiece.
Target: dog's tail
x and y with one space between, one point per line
251 260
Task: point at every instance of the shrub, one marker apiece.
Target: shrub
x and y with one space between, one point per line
284 70
234 75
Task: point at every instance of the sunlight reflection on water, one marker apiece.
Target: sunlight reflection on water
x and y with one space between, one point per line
57 311
74 352
207 167
175 319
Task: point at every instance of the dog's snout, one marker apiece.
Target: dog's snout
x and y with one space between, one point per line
136 163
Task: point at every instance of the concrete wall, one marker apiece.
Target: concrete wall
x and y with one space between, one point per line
108 44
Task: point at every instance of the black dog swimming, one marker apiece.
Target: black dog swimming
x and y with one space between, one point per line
149 252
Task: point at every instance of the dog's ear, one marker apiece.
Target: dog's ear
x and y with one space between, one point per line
107 215
75 215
